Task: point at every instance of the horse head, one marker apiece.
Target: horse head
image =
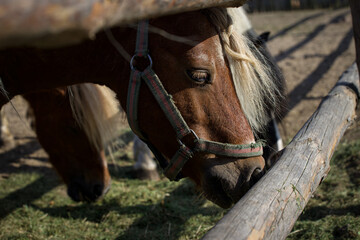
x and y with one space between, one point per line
75 157
197 92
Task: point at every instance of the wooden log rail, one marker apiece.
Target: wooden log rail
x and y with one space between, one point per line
270 209
54 22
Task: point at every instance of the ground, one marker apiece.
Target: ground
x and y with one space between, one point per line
26 154
312 48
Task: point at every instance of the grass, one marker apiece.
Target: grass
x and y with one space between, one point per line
34 205
334 210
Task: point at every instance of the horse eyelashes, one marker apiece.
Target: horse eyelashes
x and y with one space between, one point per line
199 76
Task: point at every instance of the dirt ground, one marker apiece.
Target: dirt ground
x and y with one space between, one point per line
26 154
312 48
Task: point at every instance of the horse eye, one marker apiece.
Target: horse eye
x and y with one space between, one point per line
199 76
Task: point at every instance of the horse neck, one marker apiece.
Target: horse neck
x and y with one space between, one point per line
24 70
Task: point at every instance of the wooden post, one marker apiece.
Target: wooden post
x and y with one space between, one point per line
355 12
53 22
270 209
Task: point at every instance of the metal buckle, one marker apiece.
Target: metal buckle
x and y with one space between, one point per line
133 68
195 137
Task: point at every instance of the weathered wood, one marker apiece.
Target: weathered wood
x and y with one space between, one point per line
355 12
54 22
270 209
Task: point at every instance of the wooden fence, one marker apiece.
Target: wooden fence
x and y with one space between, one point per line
271 207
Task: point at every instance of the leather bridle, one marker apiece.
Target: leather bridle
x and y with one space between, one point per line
184 153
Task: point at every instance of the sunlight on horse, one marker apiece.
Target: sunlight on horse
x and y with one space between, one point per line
223 87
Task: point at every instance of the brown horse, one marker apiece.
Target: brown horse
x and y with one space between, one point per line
74 145
222 87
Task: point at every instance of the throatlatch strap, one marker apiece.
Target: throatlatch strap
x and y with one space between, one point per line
135 78
142 39
132 101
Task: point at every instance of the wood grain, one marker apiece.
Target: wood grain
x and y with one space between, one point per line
53 22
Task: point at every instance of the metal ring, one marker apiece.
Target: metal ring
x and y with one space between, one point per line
196 136
180 142
133 68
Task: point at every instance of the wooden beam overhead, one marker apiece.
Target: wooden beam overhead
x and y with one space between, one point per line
55 22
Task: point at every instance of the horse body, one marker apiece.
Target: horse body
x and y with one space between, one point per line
219 85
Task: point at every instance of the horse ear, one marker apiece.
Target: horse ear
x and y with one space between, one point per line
264 37
261 39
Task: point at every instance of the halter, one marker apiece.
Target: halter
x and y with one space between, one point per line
184 153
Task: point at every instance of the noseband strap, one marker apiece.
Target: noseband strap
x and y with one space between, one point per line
166 103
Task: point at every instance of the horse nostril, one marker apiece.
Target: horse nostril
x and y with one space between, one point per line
257 171
257 174
73 192
98 189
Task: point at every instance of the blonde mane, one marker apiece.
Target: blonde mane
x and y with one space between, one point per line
254 81
97 111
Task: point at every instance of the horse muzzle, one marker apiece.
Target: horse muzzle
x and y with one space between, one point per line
78 190
225 181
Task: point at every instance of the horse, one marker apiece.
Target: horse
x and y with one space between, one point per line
82 141
145 166
75 144
77 150
207 95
